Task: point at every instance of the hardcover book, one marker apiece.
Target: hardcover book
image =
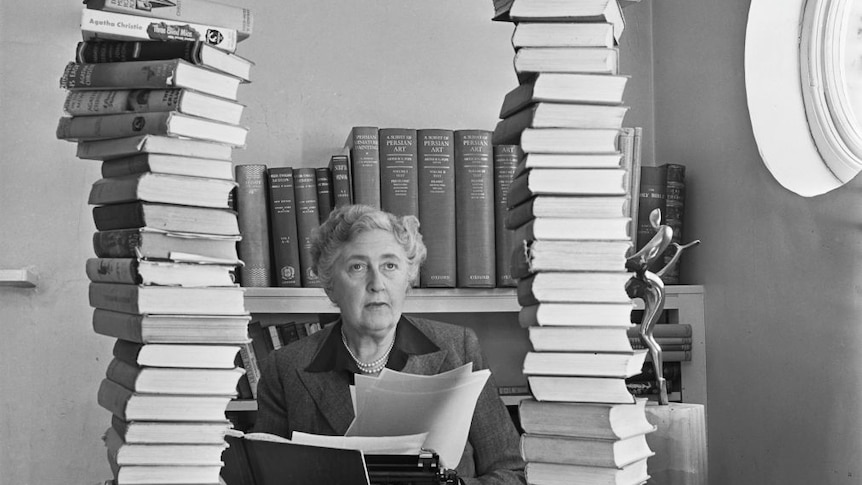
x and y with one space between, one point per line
157 163
156 244
342 187
307 220
399 190
549 181
253 217
585 420
166 123
574 229
285 241
123 101
506 158
543 255
323 181
123 453
142 144
563 34
101 25
171 73
553 314
167 299
134 271
202 11
474 209
196 52
146 432
436 182
166 217
175 355
582 338
556 11
558 87
580 389
171 329
559 474
584 451
133 406
363 148
591 364
558 115
563 287
163 188
529 61
567 207
569 140
178 380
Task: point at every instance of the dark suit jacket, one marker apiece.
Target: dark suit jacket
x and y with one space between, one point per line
292 399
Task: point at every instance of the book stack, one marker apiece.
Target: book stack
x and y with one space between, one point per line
152 94
571 205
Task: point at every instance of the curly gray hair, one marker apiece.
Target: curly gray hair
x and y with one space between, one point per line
345 222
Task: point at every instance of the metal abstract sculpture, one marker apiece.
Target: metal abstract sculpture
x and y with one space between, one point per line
649 287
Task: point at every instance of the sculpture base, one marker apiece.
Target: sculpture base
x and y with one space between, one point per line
679 444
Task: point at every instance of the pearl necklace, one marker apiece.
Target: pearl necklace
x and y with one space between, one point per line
370 367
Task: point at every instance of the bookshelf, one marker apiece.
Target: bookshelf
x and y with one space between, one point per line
684 304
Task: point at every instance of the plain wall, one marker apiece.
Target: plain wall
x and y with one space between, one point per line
781 272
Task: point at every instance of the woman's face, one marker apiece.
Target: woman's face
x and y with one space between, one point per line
370 281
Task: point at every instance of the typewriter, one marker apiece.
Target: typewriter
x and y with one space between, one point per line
421 469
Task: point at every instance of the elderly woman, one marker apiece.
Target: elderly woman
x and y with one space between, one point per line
366 260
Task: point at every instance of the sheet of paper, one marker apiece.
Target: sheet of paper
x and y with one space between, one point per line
400 407
379 445
400 381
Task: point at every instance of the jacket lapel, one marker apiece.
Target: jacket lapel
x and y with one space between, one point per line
331 393
425 364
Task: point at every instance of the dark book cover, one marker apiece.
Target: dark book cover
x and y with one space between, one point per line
672 216
252 210
436 184
323 179
363 148
307 220
474 209
399 191
651 196
506 158
285 242
342 188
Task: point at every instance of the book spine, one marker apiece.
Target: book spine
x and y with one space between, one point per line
123 373
251 366
339 169
201 11
436 187
119 216
285 242
399 192
664 330
252 205
98 24
116 244
474 209
651 196
113 270
307 220
363 146
323 179
119 325
124 51
673 214
506 158
113 397
113 126
84 103
144 75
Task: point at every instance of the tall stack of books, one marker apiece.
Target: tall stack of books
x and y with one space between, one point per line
571 206
152 94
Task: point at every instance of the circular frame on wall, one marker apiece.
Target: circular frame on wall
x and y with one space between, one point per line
803 78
